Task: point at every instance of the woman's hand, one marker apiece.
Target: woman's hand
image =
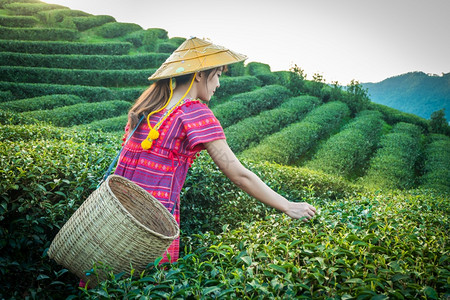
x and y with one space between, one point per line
300 210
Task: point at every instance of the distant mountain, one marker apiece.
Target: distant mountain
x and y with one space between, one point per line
416 92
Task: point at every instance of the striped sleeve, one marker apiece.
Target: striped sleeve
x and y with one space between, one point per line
200 125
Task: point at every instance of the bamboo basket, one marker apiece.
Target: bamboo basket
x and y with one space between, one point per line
120 225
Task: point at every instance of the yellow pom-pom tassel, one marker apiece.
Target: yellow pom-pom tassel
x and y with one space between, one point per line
146 144
153 134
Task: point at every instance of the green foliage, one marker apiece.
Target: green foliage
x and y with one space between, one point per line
166 47
437 162
116 29
268 79
43 102
46 174
161 34
366 247
87 22
18 21
296 80
5 2
81 113
39 34
107 78
31 90
234 85
237 69
51 47
177 40
30 9
257 68
52 18
251 103
394 164
438 123
393 116
6 96
347 151
356 97
92 62
250 131
115 124
289 144
207 191
8 117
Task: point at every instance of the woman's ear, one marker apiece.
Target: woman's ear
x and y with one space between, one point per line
199 76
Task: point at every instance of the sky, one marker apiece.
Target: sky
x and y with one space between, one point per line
341 40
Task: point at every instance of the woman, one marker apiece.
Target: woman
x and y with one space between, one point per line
175 126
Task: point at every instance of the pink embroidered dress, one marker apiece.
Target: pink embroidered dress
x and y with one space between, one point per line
162 169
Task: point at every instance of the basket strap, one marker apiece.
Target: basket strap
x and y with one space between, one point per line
111 166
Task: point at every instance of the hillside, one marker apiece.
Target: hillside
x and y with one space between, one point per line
416 93
379 177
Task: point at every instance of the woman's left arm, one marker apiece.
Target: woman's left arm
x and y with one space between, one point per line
229 164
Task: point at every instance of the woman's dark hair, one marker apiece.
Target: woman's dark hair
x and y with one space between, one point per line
157 94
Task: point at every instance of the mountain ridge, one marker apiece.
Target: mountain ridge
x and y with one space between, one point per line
413 92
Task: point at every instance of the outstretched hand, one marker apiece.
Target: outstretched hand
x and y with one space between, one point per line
300 210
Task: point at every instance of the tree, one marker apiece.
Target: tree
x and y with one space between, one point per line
357 98
438 122
297 78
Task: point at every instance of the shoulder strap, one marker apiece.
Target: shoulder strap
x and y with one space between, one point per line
111 166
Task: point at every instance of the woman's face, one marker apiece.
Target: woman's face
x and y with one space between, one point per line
208 84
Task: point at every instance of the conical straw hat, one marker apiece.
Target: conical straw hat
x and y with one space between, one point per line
196 55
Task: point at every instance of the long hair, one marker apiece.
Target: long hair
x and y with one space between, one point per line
157 95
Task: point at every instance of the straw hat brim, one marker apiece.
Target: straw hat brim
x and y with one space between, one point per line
196 55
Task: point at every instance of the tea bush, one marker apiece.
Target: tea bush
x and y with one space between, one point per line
53 47
257 68
347 151
6 96
92 62
38 34
268 79
394 164
88 22
116 29
44 179
53 18
234 85
437 162
31 9
82 113
18 21
12 118
251 103
207 191
364 247
166 47
250 131
43 102
393 116
289 144
5 2
31 90
108 125
105 78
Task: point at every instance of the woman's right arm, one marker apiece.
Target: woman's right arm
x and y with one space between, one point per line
228 163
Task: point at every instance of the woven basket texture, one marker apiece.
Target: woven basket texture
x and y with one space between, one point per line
120 225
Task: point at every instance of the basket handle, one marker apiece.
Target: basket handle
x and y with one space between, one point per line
111 166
